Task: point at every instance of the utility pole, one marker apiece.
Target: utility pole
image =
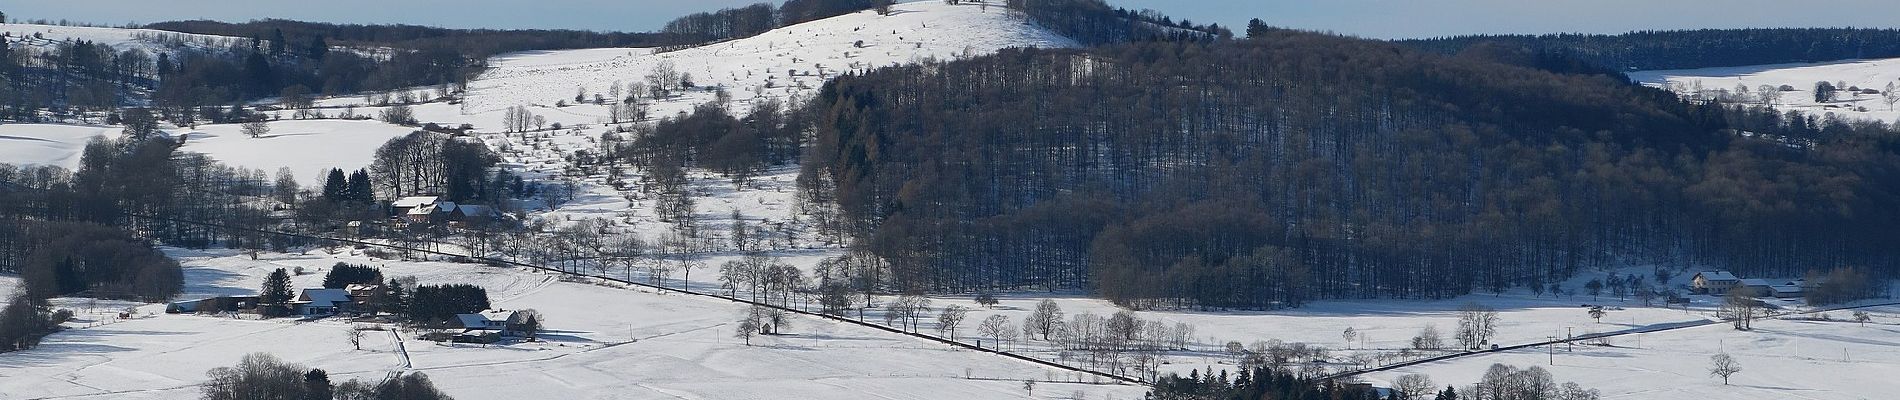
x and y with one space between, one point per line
1569 340
1551 350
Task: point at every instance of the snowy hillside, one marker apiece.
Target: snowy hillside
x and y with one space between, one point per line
1724 81
781 62
148 40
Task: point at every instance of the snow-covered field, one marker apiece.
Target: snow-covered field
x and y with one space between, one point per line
1780 359
308 147
602 342
48 144
1865 74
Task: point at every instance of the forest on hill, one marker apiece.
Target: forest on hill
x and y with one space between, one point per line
1686 49
1295 166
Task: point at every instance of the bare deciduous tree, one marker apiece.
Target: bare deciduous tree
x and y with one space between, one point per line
1413 386
1723 365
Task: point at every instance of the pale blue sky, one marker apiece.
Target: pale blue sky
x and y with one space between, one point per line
1368 18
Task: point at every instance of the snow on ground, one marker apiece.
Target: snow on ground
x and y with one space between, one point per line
1865 74
1780 359
151 41
47 144
309 147
603 342
778 63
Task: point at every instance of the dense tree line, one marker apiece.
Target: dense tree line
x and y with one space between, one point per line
1260 383
473 43
1266 172
440 303
343 275
1652 50
262 376
100 261
728 23
1094 22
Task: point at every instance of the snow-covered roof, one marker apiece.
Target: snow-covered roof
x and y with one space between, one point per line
422 211
1717 275
485 319
415 201
498 316
320 296
1756 282
445 206
1785 289
472 320
467 209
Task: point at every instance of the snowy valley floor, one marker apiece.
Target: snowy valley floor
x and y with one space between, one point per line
681 347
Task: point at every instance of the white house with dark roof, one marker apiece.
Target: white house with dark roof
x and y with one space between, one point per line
1714 282
321 302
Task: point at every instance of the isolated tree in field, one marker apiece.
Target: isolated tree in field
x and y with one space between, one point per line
255 129
1594 287
1412 386
1723 365
355 336
1349 334
1597 313
1043 319
986 300
1476 325
1823 92
1862 317
996 327
948 320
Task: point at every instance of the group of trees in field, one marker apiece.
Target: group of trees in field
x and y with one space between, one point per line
78 258
262 376
714 139
1684 49
1297 166
428 163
